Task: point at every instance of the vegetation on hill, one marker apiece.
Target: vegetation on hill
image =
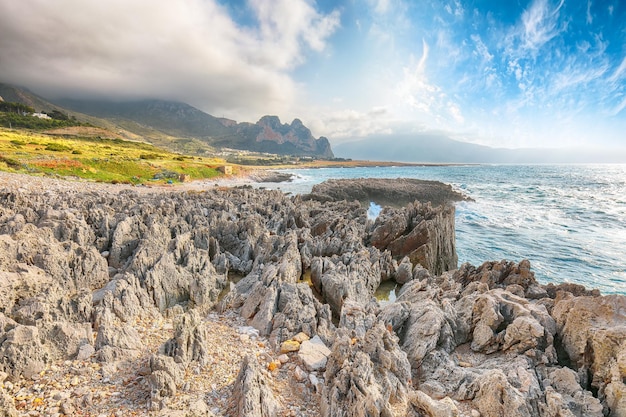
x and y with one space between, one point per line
18 115
172 125
99 159
9 107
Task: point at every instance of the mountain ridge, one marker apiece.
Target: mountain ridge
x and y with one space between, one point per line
434 147
183 120
168 122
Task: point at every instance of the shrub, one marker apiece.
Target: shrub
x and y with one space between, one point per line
11 163
57 147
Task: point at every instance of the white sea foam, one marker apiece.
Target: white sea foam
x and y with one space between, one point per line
373 211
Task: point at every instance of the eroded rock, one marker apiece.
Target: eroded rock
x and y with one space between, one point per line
252 395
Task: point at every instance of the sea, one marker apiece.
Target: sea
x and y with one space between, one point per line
568 220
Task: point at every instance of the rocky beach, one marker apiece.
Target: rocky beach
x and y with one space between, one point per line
216 300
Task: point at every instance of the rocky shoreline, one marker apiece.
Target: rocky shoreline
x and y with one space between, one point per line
119 300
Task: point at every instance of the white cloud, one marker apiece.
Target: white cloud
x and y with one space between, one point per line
192 51
344 124
381 6
573 77
539 25
286 24
481 48
620 72
427 99
618 109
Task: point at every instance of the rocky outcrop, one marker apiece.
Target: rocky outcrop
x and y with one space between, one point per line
420 232
396 192
367 371
84 276
418 221
270 135
592 332
252 395
152 118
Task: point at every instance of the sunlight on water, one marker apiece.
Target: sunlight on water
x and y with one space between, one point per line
387 292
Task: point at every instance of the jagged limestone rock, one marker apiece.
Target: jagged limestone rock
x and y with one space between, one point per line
366 371
252 395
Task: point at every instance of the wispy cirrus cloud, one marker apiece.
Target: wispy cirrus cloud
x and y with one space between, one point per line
540 24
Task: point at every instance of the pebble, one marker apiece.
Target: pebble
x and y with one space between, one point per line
300 374
284 358
61 396
314 381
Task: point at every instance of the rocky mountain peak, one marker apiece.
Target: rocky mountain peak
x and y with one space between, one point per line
270 134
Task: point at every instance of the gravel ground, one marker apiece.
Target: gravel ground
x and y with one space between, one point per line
90 388
32 183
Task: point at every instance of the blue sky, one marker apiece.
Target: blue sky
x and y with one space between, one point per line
508 73
542 73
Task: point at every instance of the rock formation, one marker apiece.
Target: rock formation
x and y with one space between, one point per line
270 135
85 275
397 192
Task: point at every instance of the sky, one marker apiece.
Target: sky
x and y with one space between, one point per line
515 73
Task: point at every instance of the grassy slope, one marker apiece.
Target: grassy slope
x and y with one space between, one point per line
98 158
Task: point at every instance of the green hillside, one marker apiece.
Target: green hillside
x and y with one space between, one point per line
99 159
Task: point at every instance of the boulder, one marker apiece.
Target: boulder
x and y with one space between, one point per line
497 397
166 375
423 233
7 405
22 354
404 273
314 354
116 342
421 405
592 332
189 341
69 338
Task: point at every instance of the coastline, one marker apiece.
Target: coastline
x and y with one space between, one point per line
111 303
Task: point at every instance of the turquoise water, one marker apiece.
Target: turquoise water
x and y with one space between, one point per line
568 220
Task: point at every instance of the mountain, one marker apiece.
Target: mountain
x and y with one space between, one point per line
184 121
439 148
180 126
15 94
269 135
